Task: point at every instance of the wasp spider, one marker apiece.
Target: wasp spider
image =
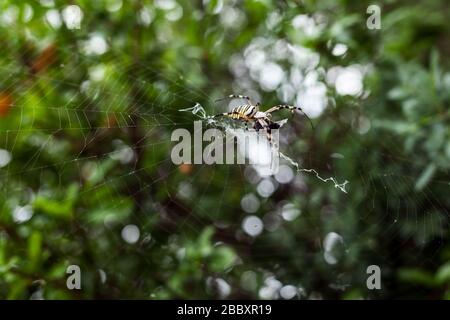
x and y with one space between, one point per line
261 119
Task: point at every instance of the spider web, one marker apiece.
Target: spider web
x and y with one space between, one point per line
121 108
210 120
433 224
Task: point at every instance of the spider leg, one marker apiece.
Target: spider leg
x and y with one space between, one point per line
266 126
269 135
282 106
292 108
258 125
239 96
268 132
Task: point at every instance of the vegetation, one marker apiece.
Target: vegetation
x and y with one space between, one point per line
87 109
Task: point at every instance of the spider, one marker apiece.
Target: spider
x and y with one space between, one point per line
262 119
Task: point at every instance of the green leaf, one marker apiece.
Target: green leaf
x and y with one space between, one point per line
58 209
425 177
222 259
443 274
34 250
417 276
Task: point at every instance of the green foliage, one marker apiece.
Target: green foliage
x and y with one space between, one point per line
89 139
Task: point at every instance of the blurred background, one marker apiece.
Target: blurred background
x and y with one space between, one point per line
89 97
